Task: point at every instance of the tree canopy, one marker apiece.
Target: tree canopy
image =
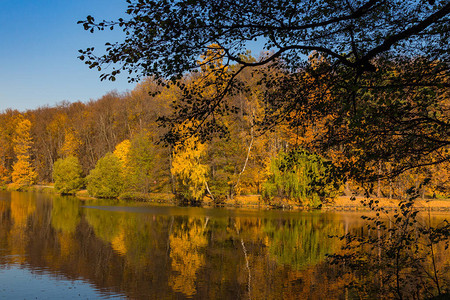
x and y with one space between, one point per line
375 73
166 38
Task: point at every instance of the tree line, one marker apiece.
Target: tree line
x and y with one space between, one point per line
119 146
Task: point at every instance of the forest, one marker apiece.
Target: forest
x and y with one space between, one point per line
117 146
347 100
338 102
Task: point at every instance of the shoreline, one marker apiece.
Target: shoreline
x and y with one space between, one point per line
344 203
341 203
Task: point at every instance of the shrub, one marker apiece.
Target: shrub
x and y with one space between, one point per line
106 180
67 174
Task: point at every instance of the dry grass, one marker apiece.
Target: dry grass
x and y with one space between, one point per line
345 203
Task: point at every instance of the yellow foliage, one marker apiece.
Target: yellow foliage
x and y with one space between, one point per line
187 167
186 243
70 145
212 59
4 176
23 173
118 242
22 138
57 124
122 151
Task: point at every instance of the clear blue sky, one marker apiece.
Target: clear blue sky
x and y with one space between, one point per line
39 42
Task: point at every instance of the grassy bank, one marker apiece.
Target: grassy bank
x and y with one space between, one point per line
342 203
39 188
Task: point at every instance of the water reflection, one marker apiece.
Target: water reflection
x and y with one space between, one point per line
187 241
163 252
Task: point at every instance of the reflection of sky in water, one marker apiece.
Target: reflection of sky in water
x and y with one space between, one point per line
21 283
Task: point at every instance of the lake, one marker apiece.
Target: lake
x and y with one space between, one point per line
60 247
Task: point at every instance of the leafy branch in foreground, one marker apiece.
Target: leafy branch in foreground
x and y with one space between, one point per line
382 79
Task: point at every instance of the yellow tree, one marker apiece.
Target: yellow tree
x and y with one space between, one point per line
23 172
71 144
4 176
122 152
188 169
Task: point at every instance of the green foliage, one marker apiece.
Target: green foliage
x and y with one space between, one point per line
141 172
67 174
145 166
106 180
223 156
301 243
302 176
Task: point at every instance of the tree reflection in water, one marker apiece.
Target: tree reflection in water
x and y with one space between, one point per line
177 252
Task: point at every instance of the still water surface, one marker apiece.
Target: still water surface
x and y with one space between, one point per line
60 247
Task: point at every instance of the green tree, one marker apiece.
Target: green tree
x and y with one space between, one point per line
106 180
145 166
67 174
302 176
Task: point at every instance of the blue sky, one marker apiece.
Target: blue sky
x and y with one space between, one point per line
39 42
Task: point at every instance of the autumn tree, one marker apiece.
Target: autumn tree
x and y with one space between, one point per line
122 152
379 72
190 172
71 143
7 129
49 132
145 166
23 172
67 175
4 178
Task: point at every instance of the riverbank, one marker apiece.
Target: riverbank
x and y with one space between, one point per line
342 203
346 203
